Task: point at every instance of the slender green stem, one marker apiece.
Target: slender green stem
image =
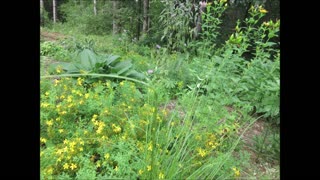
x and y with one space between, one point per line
96 75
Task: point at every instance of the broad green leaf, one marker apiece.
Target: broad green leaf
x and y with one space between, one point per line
87 59
122 66
110 59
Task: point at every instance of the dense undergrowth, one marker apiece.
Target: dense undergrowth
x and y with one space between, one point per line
111 108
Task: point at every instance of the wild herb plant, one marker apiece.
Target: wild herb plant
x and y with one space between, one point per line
88 62
55 51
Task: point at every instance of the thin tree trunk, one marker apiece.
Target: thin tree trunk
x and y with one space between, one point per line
145 27
95 7
41 12
54 11
139 4
115 26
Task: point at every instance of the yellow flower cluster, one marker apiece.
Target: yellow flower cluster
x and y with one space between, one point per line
43 140
115 128
161 175
236 172
59 69
72 166
80 81
262 10
211 141
99 124
202 152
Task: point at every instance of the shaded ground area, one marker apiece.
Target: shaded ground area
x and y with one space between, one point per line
258 167
51 36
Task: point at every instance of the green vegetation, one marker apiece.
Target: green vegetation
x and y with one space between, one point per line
161 106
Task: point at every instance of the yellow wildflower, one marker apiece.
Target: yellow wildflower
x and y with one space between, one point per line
149 168
69 99
161 175
49 123
107 156
116 168
262 10
236 172
116 128
202 152
59 69
150 147
96 123
104 137
72 143
47 93
73 166
266 24
98 164
44 104
59 151
43 140
56 82
140 172
66 166
50 170
65 149
79 81
65 141
86 95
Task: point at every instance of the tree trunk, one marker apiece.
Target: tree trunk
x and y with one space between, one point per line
145 27
139 4
115 25
41 12
202 9
54 11
95 7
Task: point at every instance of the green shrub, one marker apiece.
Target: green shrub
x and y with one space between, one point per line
54 50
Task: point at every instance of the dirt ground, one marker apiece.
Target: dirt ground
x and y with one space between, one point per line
51 36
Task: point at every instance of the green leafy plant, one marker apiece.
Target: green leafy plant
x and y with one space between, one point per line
54 50
88 62
175 22
267 145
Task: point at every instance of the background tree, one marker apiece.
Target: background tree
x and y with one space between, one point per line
54 11
41 12
145 16
95 7
115 25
